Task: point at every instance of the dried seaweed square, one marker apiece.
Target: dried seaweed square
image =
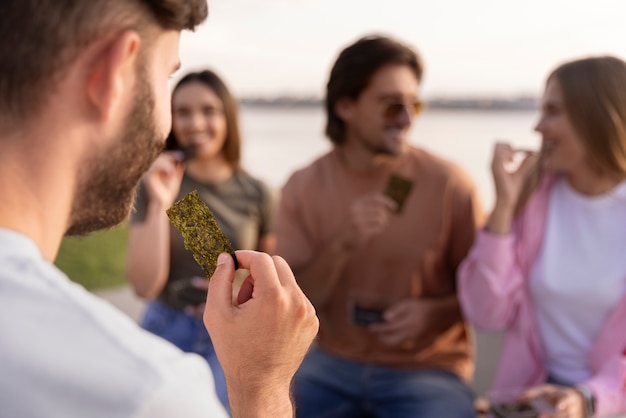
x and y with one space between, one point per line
398 189
200 230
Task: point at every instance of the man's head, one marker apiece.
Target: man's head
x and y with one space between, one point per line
107 61
378 63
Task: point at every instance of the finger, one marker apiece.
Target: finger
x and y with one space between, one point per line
388 203
290 284
246 290
527 163
387 327
285 274
533 393
500 160
500 148
262 269
562 405
526 151
375 201
221 283
166 159
396 311
176 155
391 339
549 393
175 159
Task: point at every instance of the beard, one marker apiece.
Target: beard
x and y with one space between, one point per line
374 141
380 149
108 178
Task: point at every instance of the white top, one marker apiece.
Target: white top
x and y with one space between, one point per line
579 276
66 353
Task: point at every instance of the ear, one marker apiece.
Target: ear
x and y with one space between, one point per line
344 108
112 73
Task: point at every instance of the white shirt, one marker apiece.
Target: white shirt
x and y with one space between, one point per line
66 353
579 276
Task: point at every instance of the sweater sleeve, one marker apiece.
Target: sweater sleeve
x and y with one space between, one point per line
609 387
490 282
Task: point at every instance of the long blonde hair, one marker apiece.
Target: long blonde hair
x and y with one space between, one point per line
594 98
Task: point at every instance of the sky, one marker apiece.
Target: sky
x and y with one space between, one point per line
495 48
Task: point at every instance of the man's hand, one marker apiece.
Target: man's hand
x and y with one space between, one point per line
566 402
263 336
368 216
404 321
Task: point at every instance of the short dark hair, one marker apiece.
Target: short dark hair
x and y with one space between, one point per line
39 39
232 144
354 68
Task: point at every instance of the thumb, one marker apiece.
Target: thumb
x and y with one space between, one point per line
221 283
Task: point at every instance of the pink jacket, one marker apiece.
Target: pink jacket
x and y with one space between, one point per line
493 291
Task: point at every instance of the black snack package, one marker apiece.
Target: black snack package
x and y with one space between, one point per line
366 316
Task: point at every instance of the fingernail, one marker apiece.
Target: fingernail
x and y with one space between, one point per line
223 258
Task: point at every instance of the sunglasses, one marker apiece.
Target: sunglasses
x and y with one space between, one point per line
392 110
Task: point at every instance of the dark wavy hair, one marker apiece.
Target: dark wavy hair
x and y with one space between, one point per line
354 68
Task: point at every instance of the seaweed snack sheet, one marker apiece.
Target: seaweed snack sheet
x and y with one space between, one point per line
398 189
201 233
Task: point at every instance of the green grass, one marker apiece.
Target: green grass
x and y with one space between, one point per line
96 261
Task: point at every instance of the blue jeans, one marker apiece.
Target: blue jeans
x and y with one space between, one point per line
188 333
326 386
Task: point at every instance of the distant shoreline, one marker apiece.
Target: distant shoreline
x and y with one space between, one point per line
481 104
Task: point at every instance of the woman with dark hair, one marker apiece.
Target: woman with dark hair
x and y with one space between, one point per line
549 267
204 155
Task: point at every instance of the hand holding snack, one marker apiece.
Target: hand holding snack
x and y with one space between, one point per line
262 336
404 321
563 402
369 215
398 189
261 340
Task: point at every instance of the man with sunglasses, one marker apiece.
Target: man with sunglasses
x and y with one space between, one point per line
374 231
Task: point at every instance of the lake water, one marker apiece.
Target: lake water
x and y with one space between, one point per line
279 140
